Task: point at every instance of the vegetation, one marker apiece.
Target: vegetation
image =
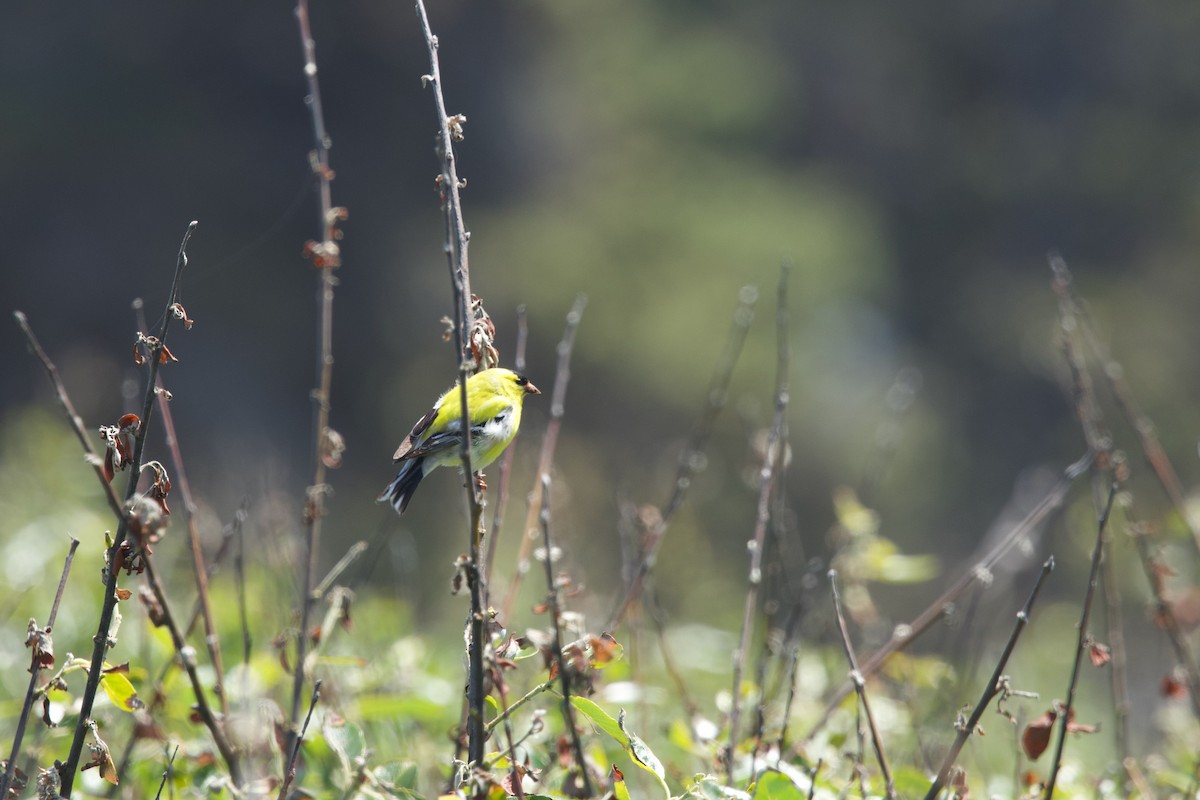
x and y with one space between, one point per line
266 648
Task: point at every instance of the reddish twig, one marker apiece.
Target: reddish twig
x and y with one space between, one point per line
199 570
506 460
558 397
326 257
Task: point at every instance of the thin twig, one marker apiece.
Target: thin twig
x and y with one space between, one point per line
326 257
772 457
691 457
1164 615
36 664
906 634
508 712
166 773
1081 644
239 579
993 686
856 677
289 774
101 640
456 244
562 375
1143 426
211 639
1100 441
187 657
556 624
513 766
158 694
506 460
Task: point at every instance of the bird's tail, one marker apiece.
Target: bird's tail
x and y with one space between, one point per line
401 489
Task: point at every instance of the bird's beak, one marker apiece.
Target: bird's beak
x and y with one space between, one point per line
531 389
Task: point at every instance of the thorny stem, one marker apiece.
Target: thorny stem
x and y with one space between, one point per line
691 457
326 257
992 688
455 246
556 624
289 774
1081 643
558 397
68 770
904 635
35 666
856 677
772 458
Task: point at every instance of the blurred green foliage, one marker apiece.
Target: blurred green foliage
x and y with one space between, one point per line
912 163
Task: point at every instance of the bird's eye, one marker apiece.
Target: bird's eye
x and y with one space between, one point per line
522 380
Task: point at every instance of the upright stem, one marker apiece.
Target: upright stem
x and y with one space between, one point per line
772 457
992 688
326 257
455 246
101 640
562 376
1081 643
556 624
199 569
35 667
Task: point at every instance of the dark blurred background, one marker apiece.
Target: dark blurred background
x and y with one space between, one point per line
913 162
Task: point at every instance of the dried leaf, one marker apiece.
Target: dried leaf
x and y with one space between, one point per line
1036 737
1173 688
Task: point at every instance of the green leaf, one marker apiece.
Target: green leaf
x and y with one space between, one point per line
773 785
707 787
643 756
601 719
910 781
120 691
397 775
344 738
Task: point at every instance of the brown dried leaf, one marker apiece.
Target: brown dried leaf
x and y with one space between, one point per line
1173 688
1036 737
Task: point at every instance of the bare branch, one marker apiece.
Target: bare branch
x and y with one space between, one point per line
558 398
859 681
992 688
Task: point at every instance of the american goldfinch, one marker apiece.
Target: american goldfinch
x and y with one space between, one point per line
494 398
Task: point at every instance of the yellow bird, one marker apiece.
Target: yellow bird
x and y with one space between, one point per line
494 398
